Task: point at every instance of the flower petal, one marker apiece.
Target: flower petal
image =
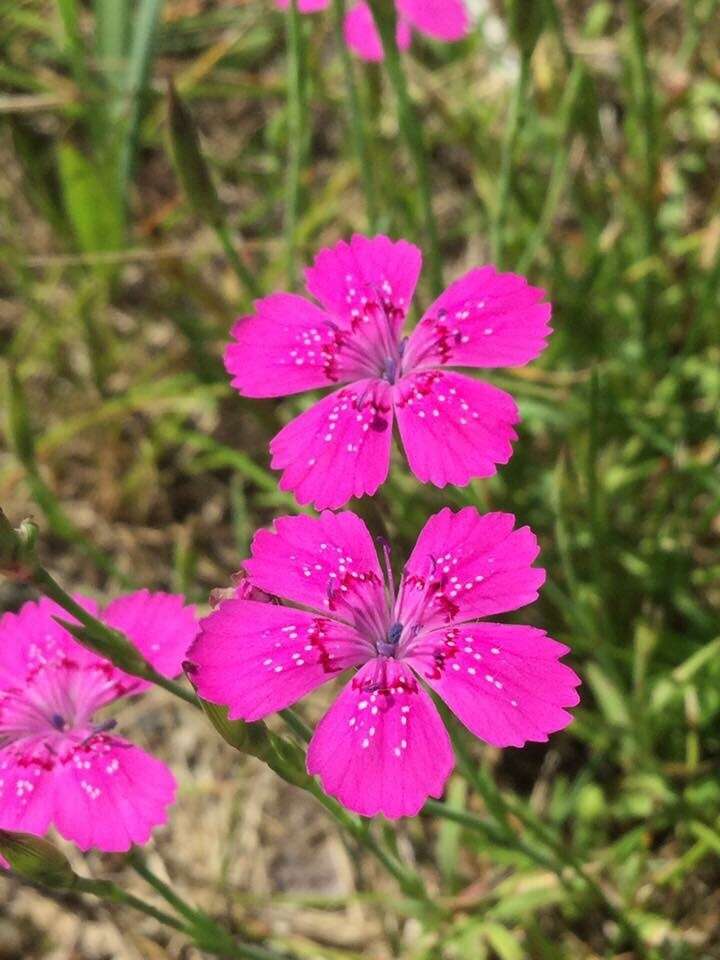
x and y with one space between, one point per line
442 19
308 560
467 565
161 625
110 795
26 791
382 747
504 682
32 639
103 793
339 448
353 280
484 319
257 658
289 345
362 36
454 428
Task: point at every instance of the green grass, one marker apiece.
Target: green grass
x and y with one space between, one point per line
595 170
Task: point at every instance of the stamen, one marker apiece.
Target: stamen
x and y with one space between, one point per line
390 371
389 578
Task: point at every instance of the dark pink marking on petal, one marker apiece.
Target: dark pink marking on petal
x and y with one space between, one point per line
349 277
26 790
289 345
453 428
339 448
467 565
308 559
109 795
382 747
484 319
258 658
504 682
31 640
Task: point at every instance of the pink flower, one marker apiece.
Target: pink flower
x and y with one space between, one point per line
382 747
59 765
442 19
453 427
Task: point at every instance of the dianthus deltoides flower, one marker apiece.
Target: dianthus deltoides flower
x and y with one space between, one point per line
453 427
382 747
59 764
445 20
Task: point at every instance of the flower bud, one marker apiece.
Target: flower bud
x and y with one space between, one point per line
281 755
525 23
19 427
17 548
189 161
36 859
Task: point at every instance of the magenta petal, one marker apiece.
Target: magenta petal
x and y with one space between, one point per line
484 319
339 448
442 19
382 747
26 791
307 559
504 682
110 795
361 34
288 345
257 658
161 625
454 428
32 638
346 277
471 565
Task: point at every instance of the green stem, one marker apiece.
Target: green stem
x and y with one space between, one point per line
216 941
294 137
241 271
502 809
512 130
137 862
645 115
111 893
47 585
205 930
411 130
558 174
410 883
296 723
357 123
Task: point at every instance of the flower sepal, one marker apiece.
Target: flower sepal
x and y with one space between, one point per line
282 756
36 859
111 644
17 548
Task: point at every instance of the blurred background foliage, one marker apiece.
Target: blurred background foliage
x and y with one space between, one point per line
574 140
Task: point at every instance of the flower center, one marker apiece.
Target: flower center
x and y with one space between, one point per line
392 365
388 647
